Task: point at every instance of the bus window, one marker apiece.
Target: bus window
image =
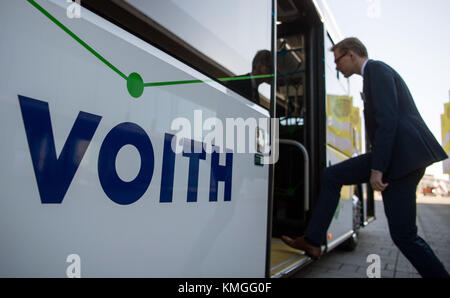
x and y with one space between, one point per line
226 34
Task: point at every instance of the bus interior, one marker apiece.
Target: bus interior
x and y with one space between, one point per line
300 109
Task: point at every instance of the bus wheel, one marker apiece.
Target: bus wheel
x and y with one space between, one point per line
351 243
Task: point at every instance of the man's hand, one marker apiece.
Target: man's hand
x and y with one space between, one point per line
376 181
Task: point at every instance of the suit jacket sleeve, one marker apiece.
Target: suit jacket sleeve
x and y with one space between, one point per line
385 103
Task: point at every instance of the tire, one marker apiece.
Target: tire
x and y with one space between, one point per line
351 243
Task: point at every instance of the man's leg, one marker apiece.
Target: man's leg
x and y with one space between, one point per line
399 201
352 171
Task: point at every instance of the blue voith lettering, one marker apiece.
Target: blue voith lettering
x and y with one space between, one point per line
116 189
194 150
168 170
54 175
220 173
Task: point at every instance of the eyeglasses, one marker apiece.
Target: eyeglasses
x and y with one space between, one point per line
340 57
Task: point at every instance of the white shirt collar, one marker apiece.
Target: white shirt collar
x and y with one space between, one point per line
363 67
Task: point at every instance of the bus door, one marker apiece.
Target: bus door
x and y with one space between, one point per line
300 108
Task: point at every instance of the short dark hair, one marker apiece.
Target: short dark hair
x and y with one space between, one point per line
353 44
262 57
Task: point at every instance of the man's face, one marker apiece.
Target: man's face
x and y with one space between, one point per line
344 63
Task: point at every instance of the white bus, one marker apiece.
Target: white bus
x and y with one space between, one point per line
92 100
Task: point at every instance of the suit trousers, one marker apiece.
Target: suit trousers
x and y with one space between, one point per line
399 200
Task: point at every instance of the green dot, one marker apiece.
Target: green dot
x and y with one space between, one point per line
135 85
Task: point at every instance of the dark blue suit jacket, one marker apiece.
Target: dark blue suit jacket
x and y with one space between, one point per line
400 140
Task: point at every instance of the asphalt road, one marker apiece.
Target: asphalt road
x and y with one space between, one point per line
433 222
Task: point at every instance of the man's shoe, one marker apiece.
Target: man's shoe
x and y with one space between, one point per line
301 244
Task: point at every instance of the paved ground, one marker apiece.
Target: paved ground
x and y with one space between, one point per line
433 222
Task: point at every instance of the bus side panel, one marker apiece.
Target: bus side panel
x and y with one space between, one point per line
342 221
142 236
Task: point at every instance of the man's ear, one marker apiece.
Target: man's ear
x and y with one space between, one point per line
351 54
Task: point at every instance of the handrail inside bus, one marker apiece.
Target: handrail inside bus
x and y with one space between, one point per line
305 168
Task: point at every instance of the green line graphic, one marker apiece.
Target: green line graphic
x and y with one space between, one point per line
205 81
64 28
135 83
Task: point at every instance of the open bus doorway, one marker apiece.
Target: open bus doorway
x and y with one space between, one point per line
301 110
289 201
301 115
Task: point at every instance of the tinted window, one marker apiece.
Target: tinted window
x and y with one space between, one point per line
229 32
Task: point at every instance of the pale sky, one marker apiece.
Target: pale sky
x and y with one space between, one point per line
414 38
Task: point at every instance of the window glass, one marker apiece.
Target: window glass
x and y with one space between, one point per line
229 32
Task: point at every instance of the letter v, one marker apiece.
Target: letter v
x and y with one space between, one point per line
54 175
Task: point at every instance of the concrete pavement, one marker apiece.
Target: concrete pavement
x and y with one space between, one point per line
433 222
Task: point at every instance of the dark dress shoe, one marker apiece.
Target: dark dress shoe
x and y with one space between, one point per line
300 243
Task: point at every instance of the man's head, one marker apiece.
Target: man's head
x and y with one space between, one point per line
262 65
349 56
